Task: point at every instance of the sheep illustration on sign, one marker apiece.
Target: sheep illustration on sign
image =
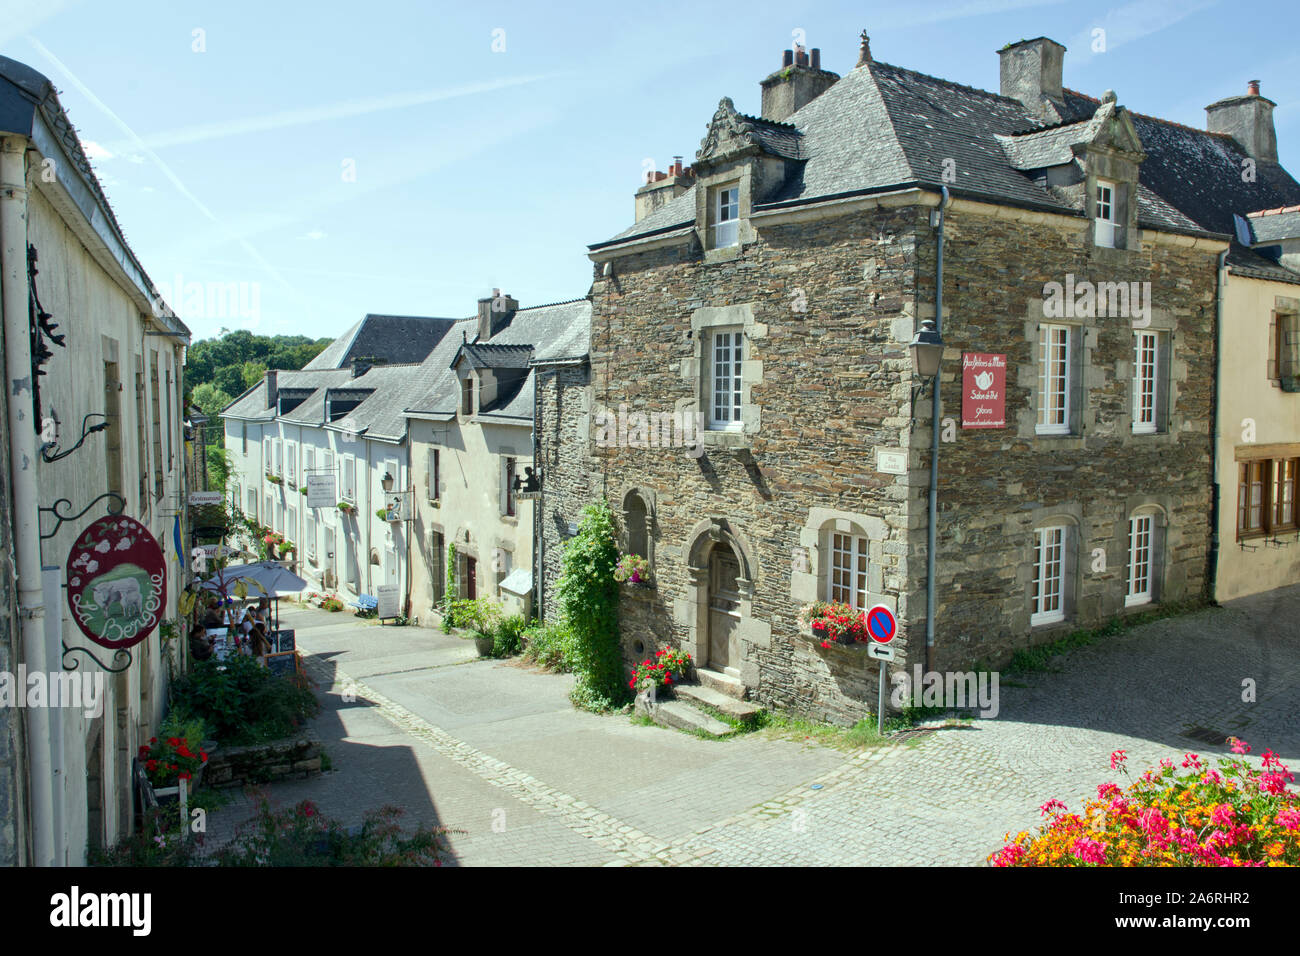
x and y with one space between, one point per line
117 582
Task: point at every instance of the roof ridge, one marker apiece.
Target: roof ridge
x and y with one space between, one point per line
1272 212
940 79
548 305
769 122
1154 119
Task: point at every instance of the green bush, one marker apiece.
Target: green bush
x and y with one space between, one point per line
242 702
480 615
588 599
506 640
549 646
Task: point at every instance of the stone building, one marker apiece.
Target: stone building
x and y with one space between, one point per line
105 366
474 444
771 292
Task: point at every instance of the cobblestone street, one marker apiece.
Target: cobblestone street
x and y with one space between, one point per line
496 751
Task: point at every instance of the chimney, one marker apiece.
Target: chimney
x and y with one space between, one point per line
272 389
1247 119
800 80
360 367
494 312
1030 71
660 187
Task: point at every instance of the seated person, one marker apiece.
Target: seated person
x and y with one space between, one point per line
200 643
258 644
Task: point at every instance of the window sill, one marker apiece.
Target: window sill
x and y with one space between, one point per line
722 253
1138 601
1036 620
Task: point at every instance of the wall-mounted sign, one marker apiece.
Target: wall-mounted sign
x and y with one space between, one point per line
397 506
320 490
891 461
983 390
205 498
117 582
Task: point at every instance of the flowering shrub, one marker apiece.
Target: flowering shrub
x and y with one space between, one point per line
661 670
633 568
171 760
346 508
1235 815
275 479
836 623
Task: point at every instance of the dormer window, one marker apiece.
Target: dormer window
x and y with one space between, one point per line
1107 225
726 216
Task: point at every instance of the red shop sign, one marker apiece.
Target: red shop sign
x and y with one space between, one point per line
117 582
983 390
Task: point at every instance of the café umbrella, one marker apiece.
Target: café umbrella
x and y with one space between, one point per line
266 578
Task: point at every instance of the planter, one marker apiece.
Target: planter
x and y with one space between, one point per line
483 645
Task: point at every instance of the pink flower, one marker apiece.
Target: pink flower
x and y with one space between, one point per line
1167 763
1153 821
1289 818
1051 806
1223 815
1089 851
1240 746
1212 776
1107 790
1117 758
1009 855
1271 758
1191 760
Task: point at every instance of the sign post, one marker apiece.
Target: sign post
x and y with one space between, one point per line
882 626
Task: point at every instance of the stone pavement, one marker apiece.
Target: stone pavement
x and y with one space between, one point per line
495 750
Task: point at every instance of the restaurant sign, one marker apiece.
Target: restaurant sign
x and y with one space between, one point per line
983 390
117 582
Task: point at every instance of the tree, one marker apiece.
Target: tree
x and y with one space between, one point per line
210 399
221 466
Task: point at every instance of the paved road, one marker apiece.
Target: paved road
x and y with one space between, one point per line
495 750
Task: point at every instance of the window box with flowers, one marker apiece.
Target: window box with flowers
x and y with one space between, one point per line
633 569
303 490
833 623
346 508
668 667
168 761
275 479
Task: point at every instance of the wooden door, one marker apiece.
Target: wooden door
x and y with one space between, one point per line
724 611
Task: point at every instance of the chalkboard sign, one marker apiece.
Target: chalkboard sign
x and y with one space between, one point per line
283 641
283 665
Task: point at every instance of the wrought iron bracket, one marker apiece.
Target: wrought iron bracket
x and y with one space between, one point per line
54 510
50 450
121 659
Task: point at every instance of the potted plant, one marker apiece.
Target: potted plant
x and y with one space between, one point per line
346 508
480 617
668 667
302 490
275 479
633 569
172 759
838 623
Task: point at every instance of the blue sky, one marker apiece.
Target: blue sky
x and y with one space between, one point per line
226 152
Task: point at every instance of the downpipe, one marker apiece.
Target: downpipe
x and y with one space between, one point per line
933 522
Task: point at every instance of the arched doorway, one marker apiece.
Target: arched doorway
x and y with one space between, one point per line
724 616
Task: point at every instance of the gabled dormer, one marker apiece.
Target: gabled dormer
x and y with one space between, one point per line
490 375
1093 165
741 161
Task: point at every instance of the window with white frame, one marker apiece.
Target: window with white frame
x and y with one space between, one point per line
291 522
1145 383
243 438
279 517
1049 575
308 462
349 488
290 461
269 514
434 465
1054 379
1141 559
309 535
327 461
846 580
726 216
508 492
1105 231
726 353
390 566
252 504
266 456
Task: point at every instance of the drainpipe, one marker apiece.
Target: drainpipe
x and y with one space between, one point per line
537 502
933 522
22 461
1212 569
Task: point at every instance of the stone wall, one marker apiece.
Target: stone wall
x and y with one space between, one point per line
829 306
568 484
832 304
262 763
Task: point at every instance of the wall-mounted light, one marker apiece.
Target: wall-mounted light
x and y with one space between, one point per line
387 481
927 355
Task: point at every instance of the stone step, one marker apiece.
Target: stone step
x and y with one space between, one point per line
739 709
680 715
722 683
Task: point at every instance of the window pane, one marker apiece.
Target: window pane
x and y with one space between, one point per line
1144 382
1139 559
1053 378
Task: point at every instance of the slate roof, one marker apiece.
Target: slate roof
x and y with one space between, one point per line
1274 225
390 339
493 355
883 127
552 333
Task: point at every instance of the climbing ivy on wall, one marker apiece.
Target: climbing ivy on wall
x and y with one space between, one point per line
588 600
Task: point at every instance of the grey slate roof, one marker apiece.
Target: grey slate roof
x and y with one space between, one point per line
390 339
883 127
1274 225
495 355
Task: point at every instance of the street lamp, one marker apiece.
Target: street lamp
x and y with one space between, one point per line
927 355
387 481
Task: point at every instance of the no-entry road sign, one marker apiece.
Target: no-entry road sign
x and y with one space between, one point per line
881 624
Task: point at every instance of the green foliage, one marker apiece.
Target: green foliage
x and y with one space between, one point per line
549 645
588 600
210 399
237 360
221 466
480 615
506 639
449 594
242 702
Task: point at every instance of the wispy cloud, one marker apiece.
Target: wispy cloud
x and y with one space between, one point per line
18 17
322 114
1134 21
914 15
